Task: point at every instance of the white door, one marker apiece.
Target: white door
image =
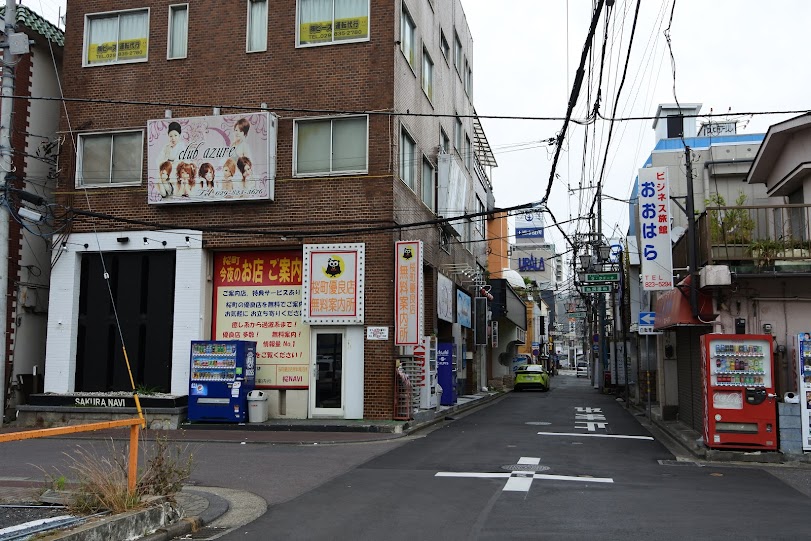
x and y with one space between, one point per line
327 388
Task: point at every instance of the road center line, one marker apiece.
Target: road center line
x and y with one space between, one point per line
617 436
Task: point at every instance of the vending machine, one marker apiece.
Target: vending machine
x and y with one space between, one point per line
428 396
446 372
221 376
804 386
739 399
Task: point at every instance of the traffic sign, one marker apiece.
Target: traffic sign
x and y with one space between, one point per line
576 314
647 329
596 289
602 277
647 319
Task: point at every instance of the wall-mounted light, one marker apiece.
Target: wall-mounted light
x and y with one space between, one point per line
216 111
167 113
147 240
123 240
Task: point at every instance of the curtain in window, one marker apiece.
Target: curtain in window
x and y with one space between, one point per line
102 41
133 33
313 147
96 150
351 19
407 165
349 144
258 25
178 31
126 159
315 21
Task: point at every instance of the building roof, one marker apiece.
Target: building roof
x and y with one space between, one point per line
773 143
686 108
36 23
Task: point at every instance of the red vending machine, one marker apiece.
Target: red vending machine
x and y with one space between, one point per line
739 399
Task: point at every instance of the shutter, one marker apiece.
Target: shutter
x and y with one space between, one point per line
690 378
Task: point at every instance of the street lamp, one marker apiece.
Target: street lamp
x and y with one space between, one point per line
605 252
585 261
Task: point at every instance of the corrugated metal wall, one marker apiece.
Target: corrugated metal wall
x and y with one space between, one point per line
688 363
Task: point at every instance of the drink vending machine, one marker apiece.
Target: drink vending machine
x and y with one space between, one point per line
739 399
221 376
804 386
446 372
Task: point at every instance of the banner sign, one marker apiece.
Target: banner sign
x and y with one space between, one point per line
654 229
345 29
463 309
258 297
529 225
333 284
444 298
409 313
211 158
531 263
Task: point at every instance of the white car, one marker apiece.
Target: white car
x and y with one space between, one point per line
582 369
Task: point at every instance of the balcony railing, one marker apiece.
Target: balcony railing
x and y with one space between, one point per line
759 238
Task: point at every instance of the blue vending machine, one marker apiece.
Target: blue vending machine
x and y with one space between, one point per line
221 376
446 373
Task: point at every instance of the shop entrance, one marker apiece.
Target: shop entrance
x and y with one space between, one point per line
327 384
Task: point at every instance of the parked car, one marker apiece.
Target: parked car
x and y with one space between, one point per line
531 376
582 369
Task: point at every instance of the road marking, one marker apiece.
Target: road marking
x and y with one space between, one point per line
618 436
521 481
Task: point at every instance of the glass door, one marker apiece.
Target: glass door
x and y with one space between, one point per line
326 383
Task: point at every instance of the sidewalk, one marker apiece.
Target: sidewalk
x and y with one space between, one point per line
210 508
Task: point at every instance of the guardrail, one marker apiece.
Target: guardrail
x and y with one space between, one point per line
134 425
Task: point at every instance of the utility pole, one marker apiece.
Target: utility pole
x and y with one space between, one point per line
692 245
6 104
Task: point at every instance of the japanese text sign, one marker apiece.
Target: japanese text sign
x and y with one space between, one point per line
258 297
333 283
654 229
408 302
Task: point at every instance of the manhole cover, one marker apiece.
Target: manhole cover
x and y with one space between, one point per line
538 423
525 467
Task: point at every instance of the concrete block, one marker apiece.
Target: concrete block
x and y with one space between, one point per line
791 447
784 408
789 422
791 435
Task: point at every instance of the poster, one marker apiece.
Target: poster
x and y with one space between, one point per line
211 158
333 283
409 313
258 296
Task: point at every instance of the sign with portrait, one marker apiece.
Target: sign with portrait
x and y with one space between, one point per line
408 300
333 283
212 158
258 297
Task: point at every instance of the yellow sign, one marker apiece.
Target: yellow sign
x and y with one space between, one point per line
128 49
345 29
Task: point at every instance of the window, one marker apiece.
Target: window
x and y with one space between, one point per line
109 158
457 135
428 183
322 22
479 220
407 31
178 31
408 152
469 82
468 154
427 75
331 146
457 53
257 26
113 38
444 141
443 44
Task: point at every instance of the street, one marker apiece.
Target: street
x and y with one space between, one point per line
566 464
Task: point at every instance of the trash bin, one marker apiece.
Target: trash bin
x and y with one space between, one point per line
257 407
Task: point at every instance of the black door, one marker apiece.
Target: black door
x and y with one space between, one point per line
142 286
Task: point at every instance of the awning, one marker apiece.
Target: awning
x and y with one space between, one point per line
673 308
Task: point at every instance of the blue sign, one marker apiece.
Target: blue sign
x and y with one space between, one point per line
647 319
463 310
529 232
531 263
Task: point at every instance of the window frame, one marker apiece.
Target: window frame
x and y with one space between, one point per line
469 82
406 18
458 53
331 173
458 128
102 14
444 141
404 133
468 153
429 93
79 182
248 27
444 47
169 32
299 45
479 220
432 204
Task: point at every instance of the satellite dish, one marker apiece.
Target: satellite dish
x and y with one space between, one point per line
676 233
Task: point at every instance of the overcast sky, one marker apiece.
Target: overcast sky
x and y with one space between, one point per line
738 55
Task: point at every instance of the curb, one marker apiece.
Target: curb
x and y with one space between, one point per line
181 527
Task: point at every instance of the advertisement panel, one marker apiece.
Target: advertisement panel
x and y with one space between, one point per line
211 158
408 301
529 225
333 284
444 298
654 229
258 297
463 309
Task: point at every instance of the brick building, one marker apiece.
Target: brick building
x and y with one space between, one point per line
212 161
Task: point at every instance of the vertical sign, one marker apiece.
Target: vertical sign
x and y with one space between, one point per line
480 313
444 298
257 296
333 283
408 307
654 229
463 309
